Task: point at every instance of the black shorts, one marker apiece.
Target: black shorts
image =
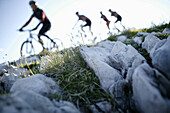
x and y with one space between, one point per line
119 18
45 28
88 23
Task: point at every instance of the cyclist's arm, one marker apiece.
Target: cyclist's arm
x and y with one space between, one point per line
28 21
36 26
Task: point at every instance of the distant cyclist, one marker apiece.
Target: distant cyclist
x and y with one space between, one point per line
39 14
87 20
105 19
119 18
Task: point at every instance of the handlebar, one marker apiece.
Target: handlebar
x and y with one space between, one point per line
28 30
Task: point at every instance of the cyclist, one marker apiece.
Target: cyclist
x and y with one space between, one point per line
119 18
39 14
87 20
105 19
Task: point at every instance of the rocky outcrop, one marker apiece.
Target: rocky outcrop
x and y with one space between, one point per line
146 92
9 74
161 58
26 101
138 40
27 60
96 58
101 107
111 66
121 38
37 83
123 57
150 42
133 84
8 80
159 52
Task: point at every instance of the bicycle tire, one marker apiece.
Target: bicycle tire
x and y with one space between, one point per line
28 45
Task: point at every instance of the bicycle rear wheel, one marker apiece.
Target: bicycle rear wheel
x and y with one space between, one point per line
27 49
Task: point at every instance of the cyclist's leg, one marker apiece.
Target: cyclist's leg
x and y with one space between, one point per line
107 23
89 24
116 27
54 43
118 19
48 37
42 31
82 27
122 24
41 41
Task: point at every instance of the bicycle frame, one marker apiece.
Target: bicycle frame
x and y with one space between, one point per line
49 44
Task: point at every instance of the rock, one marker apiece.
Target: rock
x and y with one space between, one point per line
4 65
163 84
106 44
3 68
137 61
150 42
123 56
36 101
102 107
44 62
2 71
8 80
96 59
161 58
121 38
7 68
153 33
1 88
138 40
147 96
96 52
143 33
18 71
166 31
65 107
26 101
118 91
37 83
28 60
13 104
157 46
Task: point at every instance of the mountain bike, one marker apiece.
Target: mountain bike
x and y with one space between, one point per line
28 49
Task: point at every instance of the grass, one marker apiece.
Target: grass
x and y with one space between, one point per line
78 82
132 33
162 36
112 38
157 28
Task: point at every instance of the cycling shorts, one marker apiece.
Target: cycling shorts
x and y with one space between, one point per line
45 28
88 23
119 18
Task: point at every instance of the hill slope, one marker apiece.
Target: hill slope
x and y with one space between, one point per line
125 73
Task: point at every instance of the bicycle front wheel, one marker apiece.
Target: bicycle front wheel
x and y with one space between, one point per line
27 49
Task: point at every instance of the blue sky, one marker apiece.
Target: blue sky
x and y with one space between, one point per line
14 13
